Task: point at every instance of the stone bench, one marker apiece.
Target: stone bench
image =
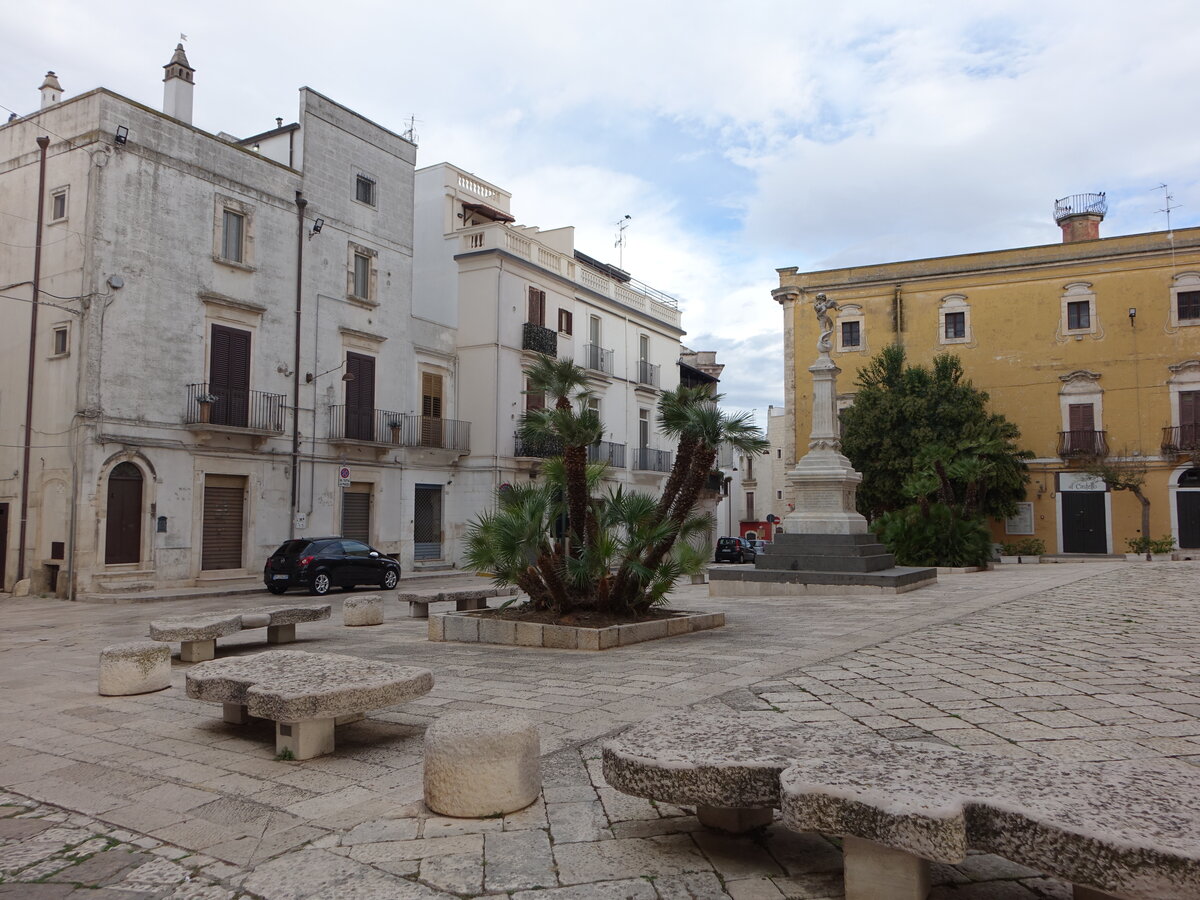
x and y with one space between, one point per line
1114 830
197 633
305 694
465 600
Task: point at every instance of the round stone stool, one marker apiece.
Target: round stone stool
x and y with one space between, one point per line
138 667
364 610
481 764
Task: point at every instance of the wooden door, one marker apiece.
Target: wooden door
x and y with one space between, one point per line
1189 419
431 410
360 397
1085 528
123 526
224 508
1082 421
229 376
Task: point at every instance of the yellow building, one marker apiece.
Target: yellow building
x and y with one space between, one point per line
1091 347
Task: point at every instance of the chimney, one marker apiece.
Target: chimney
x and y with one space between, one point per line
178 86
51 90
1080 215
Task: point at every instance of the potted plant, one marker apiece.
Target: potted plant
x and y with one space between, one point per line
1162 548
395 424
206 402
1017 551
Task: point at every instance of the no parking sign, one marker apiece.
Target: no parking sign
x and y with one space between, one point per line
344 476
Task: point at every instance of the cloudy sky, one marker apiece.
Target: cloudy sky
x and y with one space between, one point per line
740 137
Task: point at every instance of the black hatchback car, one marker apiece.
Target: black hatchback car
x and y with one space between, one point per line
322 563
735 550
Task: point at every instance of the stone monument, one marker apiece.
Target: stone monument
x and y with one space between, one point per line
826 546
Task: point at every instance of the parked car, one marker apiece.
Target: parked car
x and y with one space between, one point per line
735 550
759 546
323 563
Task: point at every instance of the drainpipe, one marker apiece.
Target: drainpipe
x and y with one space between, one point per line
301 203
43 143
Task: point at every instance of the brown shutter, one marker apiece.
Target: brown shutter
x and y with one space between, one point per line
229 375
1189 407
536 400
431 409
224 499
360 397
566 321
1082 417
537 307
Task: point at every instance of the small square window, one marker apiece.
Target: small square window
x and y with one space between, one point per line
364 190
956 325
362 276
1079 315
1189 304
851 335
233 229
58 205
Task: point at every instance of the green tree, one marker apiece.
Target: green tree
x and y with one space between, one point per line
919 432
1127 473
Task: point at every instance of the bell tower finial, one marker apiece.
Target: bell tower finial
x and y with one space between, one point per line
178 84
51 90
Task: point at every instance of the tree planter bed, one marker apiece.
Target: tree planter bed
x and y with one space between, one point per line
484 628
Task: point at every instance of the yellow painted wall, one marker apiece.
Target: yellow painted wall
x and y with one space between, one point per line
1018 352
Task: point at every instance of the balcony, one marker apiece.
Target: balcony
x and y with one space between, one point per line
598 359
647 373
1088 444
1180 439
647 460
392 429
536 449
607 452
539 339
234 408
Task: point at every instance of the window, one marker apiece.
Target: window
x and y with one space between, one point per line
537 307
594 330
229 375
779 495
58 205
779 453
431 409
233 231
956 325
362 276
643 428
851 334
750 505
60 344
364 189
1188 304
533 400
644 347
566 321
749 468
1079 315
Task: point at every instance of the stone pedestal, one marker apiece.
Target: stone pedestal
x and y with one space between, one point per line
734 819
875 872
138 667
481 764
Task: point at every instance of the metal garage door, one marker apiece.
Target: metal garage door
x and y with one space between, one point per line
224 508
356 513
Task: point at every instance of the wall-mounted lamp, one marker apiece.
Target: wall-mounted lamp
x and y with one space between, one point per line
317 225
122 135
1132 311
309 377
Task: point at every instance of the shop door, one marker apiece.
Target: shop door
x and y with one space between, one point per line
356 513
123 528
224 508
427 522
1085 529
1187 509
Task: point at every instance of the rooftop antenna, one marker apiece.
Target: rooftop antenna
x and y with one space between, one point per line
622 224
1168 206
410 133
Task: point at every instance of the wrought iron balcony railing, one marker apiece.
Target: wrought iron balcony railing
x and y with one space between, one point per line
539 339
234 407
538 449
606 451
1088 444
1181 439
647 460
597 358
647 373
381 426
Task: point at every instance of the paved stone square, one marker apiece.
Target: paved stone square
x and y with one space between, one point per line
1092 662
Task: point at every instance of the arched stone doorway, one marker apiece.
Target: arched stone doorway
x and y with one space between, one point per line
123 532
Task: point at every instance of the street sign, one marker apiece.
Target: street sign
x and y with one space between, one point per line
344 476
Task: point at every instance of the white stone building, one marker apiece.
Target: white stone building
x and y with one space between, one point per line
510 291
194 289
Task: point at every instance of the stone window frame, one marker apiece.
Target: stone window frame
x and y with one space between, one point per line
1184 378
1184 282
372 256
221 205
1080 386
955 303
65 193
851 312
1078 292
364 175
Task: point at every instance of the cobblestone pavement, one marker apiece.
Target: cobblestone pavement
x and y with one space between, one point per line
1095 661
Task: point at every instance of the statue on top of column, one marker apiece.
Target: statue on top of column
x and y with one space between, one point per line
822 304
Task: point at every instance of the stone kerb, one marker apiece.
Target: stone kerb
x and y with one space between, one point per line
481 764
138 667
468 627
1125 829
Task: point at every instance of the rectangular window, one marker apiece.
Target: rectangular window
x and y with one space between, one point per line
58 205
364 190
431 409
749 468
536 400
750 506
566 321
60 341
851 334
362 276
779 495
537 307
1189 304
956 325
594 330
644 347
643 428
1079 315
233 227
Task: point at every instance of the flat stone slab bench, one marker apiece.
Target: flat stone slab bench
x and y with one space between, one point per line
197 633
305 694
1129 831
464 601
